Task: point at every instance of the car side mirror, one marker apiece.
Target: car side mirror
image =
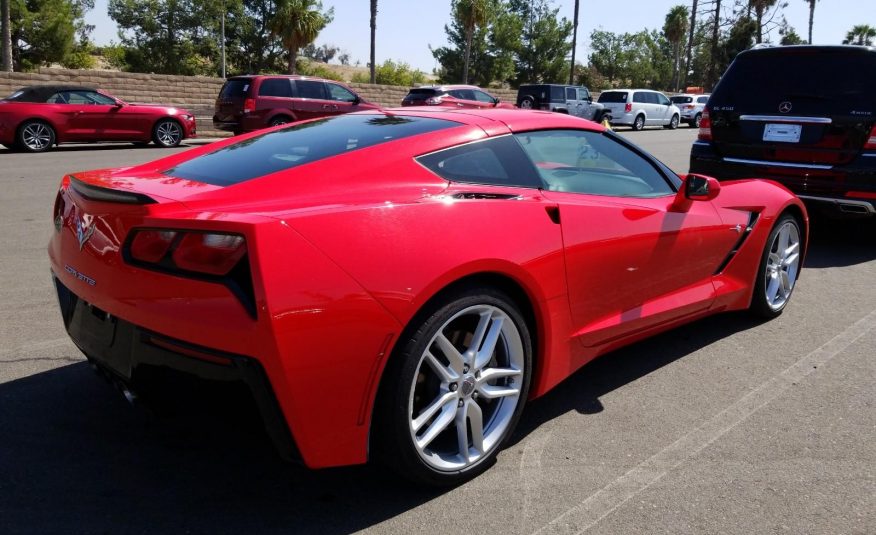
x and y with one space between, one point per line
119 104
695 188
356 100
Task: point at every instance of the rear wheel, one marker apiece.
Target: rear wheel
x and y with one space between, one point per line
35 136
779 267
167 133
527 103
697 120
639 123
280 119
673 123
455 391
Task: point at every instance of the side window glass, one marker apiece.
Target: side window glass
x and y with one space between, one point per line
483 97
583 94
275 87
60 97
77 97
311 89
663 100
592 163
570 94
640 97
702 100
341 94
455 93
497 161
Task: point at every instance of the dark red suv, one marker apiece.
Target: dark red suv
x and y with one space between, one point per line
251 102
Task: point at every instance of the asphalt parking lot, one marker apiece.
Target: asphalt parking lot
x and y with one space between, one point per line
726 425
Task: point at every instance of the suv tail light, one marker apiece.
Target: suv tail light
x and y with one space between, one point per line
705 132
871 142
249 105
628 108
205 253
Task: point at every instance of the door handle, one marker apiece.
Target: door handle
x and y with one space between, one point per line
460 104
326 106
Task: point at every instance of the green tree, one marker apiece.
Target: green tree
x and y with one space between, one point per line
608 54
760 7
542 56
862 34
789 36
674 29
391 73
250 46
44 31
473 14
5 36
298 23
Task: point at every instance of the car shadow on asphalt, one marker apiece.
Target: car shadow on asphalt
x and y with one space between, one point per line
840 242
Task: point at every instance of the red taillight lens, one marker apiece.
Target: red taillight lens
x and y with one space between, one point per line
705 132
871 142
213 254
628 108
151 245
249 105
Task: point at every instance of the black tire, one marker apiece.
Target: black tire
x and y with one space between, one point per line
527 103
35 136
167 133
696 122
673 123
409 381
280 119
761 304
639 123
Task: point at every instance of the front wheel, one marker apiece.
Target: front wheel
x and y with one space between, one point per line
167 133
35 136
673 123
779 267
456 389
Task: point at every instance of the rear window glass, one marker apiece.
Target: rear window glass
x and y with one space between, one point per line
422 92
681 100
301 144
812 80
613 96
235 89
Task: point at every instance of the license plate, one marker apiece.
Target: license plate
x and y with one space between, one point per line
782 133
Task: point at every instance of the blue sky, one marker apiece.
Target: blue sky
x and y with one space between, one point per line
406 28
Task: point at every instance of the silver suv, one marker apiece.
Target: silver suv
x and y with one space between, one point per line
572 99
640 108
691 107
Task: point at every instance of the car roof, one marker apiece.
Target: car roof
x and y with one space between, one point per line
445 87
41 93
772 49
489 119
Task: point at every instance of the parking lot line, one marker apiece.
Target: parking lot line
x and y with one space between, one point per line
602 503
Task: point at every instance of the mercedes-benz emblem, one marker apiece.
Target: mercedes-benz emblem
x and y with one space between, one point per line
84 230
785 107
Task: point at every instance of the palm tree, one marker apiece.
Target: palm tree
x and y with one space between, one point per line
574 44
472 14
690 39
297 23
760 7
6 32
862 34
373 42
674 29
811 17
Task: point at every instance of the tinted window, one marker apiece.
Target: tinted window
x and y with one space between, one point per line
812 79
480 96
275 87
661 99
339 93
583 94
681 100
571 93
423 92
640 97
497 161
557 93
613 96
310 89
15 95
300 144
593 163
463 94
235 88
702 100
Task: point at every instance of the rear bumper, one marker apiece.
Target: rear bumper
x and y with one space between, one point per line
121 348
227 126
622 118
847 189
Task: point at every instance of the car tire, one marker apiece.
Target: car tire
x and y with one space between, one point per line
167 133
35 136
697 120
436 394
673 123
527 103
639 123
280 119
779 268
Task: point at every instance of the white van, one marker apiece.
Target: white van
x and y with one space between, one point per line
640 108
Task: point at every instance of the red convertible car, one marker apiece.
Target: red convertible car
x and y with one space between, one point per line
34 119
397 284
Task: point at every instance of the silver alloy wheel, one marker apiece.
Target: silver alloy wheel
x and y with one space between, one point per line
697 120
168 133
640 123
673 123
278 121
466 388
526 104
36 136
782 266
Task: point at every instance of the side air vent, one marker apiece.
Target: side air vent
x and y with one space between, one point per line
97 193
752 219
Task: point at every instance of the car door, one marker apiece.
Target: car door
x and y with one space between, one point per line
311 100
484 100
90 116
344 100
572 102
274 95
641 104
585 104
664 107
632 263
465 98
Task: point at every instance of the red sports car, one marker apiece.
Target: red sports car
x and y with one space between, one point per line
396 284
33 119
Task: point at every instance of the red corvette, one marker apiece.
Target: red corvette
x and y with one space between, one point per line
34 119
397 284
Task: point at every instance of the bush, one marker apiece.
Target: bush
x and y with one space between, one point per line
312 68
391 73
115 56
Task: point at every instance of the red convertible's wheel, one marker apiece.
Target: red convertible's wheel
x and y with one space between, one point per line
35 136
457 389
779 268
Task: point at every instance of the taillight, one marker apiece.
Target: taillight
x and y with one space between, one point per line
628 108
871 143
249 105
208 253
433 101
705 132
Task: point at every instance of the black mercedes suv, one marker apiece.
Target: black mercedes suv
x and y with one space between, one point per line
804 116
